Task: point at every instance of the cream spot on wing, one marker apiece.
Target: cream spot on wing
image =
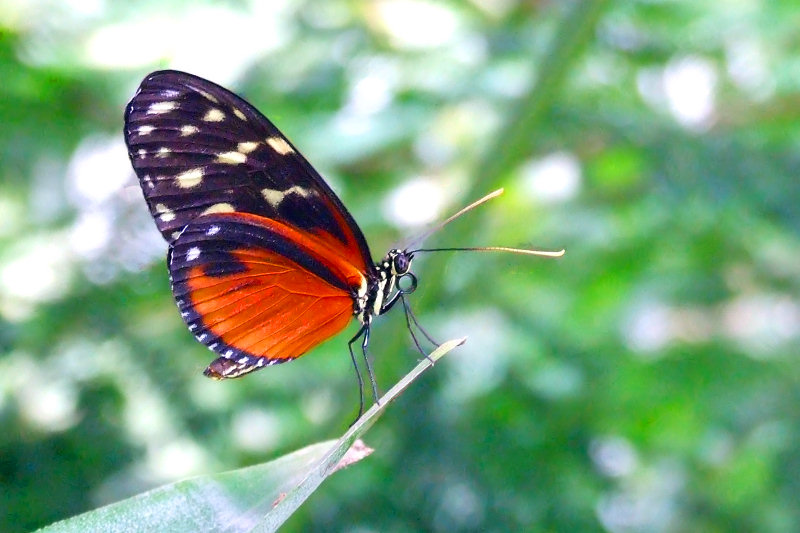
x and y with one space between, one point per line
275 197
188 129
146 129
296 189
214 115
247 147
190 178
280 145
142 152
175 235
231 158
362 289
213 230
165 213
208 96
222 207
239 114
193 253
163 152
158 108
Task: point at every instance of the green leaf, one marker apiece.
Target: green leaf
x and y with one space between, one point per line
256 498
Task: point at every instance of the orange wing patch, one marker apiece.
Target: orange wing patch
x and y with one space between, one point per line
275 309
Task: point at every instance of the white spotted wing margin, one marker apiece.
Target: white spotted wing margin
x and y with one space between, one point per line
199 149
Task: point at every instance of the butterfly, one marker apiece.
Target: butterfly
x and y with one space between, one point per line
265 261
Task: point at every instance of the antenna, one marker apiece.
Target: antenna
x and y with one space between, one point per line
430 231
494 194
525 251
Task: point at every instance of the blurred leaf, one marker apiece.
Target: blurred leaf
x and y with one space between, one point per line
259 497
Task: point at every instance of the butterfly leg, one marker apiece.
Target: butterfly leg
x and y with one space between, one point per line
364 344
410 313
411 330
358 374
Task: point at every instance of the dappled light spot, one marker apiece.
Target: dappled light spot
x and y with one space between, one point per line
415 202
553 178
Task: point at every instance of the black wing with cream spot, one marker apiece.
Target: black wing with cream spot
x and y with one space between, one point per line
199 149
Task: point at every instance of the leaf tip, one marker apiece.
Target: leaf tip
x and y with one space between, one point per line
355 453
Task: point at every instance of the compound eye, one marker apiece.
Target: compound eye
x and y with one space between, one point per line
401 264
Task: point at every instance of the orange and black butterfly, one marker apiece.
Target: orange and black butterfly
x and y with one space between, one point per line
264 259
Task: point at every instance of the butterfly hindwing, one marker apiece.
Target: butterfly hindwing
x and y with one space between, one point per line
253 291
199 149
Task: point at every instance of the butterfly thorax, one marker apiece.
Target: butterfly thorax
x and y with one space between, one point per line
383 290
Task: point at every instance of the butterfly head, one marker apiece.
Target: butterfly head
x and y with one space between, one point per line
399 262
394 279
395 269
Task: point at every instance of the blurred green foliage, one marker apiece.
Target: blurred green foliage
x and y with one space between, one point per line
647 381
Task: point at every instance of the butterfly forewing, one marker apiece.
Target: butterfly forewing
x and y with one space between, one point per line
199 149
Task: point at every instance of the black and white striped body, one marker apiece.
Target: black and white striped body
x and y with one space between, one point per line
383 291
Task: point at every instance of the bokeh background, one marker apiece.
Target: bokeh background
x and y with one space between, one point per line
647 381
